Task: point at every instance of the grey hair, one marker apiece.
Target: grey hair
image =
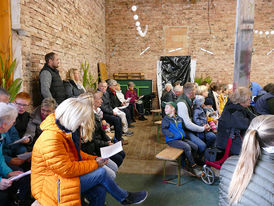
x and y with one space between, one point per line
8 112
240 95
112 82
168 85
49 102
188 87
178 88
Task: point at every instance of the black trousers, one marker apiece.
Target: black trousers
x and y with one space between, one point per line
118 158
116 121
20 190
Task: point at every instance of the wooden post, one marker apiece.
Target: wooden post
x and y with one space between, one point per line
243 42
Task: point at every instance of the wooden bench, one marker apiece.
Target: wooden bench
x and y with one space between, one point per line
171 154
158 124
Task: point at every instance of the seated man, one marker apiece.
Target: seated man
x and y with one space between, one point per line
8 188
184 104
109 114
40 113
123 113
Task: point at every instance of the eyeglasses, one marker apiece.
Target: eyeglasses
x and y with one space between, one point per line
21 105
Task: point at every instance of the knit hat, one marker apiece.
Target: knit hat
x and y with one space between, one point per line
208 101
199 100
172 104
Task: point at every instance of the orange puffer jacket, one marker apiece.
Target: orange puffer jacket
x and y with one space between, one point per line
55 168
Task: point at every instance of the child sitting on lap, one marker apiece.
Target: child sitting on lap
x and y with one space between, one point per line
172 128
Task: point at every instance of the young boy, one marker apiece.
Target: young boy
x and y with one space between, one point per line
172 128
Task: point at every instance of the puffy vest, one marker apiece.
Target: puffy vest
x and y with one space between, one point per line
261 104
187 101
259 191
57 88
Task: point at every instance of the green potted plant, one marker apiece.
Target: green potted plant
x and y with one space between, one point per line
201 79
89 81
14 86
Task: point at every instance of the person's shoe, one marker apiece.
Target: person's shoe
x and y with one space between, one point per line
128 133
124 142
131 126
144 118
135 198
133 120
141 118
197 171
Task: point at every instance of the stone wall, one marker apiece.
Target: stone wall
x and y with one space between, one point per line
74 29
211 28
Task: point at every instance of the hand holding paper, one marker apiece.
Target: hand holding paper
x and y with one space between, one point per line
19 176
111 150
24 156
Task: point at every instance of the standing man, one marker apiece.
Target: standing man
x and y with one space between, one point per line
51 84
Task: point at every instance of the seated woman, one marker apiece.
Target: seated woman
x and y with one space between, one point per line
8 188
248 179
235 116
131 93
22 101
73 84
99 136
61 172
167 96
39 114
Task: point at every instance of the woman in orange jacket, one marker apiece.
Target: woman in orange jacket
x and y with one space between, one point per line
61 172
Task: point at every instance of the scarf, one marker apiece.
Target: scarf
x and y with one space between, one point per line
75 137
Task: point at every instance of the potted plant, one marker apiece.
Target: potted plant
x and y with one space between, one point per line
89 81
6 82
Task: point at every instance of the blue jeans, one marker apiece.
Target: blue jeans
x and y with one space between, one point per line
95 184
196 140
208 137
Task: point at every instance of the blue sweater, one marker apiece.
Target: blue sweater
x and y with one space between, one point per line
11 151
4 169
172 128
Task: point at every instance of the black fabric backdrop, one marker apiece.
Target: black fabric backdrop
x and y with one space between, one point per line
175 68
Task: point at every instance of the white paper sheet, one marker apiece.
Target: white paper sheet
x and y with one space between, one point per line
24 156
111 150
19 176
128 100
20 140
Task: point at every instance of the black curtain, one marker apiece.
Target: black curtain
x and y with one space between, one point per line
175 68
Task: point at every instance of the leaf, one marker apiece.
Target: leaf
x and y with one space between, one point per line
2 64
11 68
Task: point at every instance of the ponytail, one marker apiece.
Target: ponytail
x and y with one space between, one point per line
245 166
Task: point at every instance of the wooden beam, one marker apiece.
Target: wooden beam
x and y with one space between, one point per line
243 42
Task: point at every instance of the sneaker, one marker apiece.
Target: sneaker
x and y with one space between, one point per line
131 126
128 133
135 198
197 171
142 118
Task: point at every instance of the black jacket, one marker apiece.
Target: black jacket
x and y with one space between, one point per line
237 117
22 123
71 89
99 139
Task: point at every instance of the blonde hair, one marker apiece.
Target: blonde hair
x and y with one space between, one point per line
240 95
70 74
49 102
87 127
201 89
76 112
8 113
259 134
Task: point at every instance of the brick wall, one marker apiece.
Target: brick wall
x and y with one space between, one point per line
74 29
124 44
